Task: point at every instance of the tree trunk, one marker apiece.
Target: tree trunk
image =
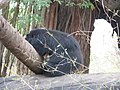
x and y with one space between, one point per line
1 57
50 16
7 56
19 46
15 15
3 65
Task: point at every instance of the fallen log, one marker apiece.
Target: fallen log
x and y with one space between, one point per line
67 82
24 51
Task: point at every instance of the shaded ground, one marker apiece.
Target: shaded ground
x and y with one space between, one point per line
68 82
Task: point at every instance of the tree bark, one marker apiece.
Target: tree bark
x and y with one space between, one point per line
50 16
7 56
1 56
3 65
3 3
13 41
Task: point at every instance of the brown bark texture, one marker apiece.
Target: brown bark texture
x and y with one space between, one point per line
13 41
3 3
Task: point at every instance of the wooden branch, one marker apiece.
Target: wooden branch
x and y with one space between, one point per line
13 41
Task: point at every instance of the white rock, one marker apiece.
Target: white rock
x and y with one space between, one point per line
105 55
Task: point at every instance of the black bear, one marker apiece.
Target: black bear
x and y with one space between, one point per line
64 52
